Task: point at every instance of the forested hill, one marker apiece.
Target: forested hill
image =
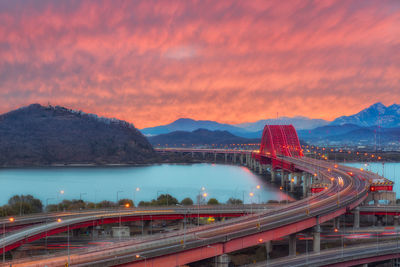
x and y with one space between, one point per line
45 135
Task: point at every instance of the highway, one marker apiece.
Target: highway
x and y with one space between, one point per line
345 192
349 256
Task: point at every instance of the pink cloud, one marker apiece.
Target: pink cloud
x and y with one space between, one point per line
151 62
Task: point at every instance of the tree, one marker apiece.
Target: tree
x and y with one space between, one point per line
166 200
91 205
51 208
126 202
234 201
144 203
212 201
25 204
105 204
187 201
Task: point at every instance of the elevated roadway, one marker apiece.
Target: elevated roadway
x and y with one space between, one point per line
344 193
50 224
338 257
280 149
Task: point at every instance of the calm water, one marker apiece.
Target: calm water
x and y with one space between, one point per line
103 183
387 170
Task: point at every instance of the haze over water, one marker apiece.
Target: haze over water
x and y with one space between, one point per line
102 183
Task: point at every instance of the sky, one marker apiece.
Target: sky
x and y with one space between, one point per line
152 62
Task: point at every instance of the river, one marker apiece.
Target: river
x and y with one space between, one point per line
105 183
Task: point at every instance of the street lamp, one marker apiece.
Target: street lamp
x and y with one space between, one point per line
134 195
119 211
47 202
198 203
60 193
11 219
251 194
184 223
141 256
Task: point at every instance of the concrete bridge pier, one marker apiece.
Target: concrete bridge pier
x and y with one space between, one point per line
356 213
222 260
247 160
317 237
272 175
298 179
234 158
241 159
396 220
226 157
292 244
291 181
336 222
306 183
204 155
260 168
283 179
215 157
268 247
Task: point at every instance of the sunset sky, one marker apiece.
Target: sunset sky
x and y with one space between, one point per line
151 62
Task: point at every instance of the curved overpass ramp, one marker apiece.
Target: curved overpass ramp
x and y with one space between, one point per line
344 193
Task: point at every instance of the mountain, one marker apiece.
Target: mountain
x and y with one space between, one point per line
375 115
298 122
322 133
190 125
352 134
199 137
39 135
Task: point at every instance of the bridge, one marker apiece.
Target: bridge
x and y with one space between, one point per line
280 155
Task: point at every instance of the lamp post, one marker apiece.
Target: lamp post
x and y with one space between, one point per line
184 223
80 197
11 219
141 256
47 202
134 195
119 211
198 204
81 194
60 193
251 194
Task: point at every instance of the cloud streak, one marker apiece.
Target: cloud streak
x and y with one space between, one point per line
150 62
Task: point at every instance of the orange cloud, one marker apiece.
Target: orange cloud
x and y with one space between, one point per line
151 62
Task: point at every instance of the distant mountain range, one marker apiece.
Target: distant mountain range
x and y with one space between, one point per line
376 124
354 135
199 137
189 125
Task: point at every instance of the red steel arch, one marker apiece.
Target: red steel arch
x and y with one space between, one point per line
280 140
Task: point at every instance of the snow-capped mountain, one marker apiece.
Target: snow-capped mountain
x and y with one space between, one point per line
376 115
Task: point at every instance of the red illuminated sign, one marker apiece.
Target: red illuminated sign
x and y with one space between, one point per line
381 188
317 189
